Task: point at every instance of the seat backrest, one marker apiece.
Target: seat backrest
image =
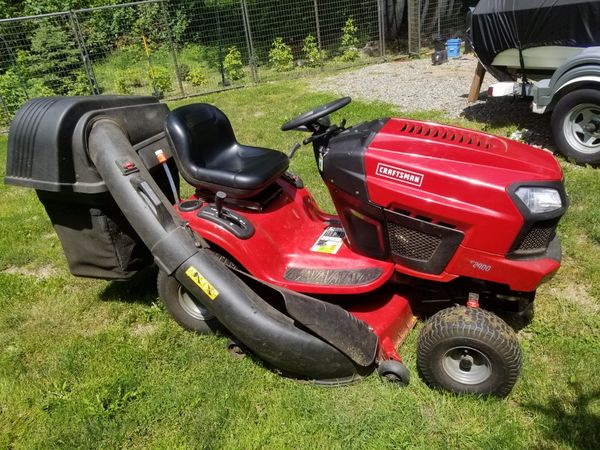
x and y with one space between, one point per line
199 133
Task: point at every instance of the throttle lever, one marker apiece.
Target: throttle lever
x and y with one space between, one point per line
314 137
293 150
219 199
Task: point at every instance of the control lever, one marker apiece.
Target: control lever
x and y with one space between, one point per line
293 150
314 137
219 199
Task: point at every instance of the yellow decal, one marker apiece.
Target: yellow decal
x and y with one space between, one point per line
202 282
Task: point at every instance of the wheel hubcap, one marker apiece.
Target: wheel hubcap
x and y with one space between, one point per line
466 365
192 307
581 128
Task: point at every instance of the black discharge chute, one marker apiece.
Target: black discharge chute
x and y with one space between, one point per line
498 25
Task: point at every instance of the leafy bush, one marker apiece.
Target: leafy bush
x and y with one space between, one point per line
184 71
193 54
197 77
232 64
280 56
349 41
128 79
161 76
81 86
314 57
15 89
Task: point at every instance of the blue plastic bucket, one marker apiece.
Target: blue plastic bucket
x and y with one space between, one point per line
453 48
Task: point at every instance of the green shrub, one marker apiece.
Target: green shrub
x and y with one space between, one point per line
194 54
15 90
311 52
128 79
81 85
349 45
197 77
232 64
162 78
184 71
280 56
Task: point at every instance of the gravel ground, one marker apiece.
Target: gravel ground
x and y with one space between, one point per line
418 85
413 85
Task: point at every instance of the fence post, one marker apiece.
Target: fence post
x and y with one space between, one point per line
85 59
165 15
318 33
414 27
249 43
381 25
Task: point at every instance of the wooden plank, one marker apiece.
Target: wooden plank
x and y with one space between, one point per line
476 83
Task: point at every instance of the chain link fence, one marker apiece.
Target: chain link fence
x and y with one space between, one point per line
431 19
176 48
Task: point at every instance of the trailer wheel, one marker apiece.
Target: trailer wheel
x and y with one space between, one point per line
184 308
576 126
469 350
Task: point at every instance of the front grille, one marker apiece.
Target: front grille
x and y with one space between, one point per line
538 237
419 243
412 244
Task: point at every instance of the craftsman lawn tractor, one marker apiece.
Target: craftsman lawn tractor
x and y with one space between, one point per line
431 220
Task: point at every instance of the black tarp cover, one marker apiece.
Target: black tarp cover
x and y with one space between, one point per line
498 25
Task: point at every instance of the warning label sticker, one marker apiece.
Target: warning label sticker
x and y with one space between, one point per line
330 241
202 282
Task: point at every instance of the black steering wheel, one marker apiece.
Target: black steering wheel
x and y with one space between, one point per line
314 115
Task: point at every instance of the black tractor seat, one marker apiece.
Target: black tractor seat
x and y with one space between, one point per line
210 158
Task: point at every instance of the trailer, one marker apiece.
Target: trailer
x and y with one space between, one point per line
549 52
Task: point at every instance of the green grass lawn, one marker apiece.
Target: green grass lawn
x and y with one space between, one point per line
87 363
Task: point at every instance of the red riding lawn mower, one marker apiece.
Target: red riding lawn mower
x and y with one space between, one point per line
432 220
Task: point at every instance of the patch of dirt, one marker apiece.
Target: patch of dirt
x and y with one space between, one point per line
43 272
143 329
577 294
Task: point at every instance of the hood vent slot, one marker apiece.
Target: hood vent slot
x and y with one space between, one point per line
443 134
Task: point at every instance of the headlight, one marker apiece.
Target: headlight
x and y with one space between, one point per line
540 200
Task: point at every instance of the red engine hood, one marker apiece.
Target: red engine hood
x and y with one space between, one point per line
463 152
454 175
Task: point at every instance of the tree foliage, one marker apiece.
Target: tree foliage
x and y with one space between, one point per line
54 59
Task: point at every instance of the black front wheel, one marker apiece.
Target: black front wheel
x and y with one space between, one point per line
469 350
394 372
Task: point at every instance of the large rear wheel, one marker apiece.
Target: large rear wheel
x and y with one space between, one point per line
469 350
